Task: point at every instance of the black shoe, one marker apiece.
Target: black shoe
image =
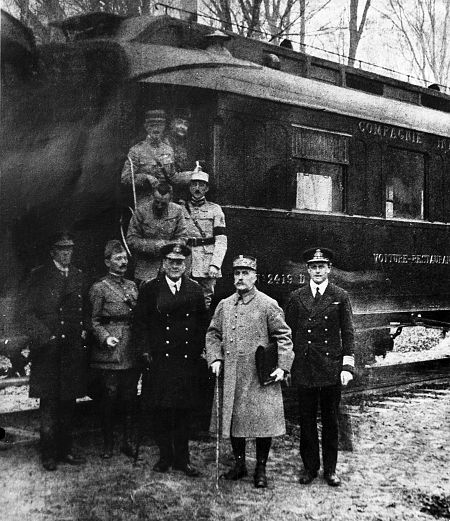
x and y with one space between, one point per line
332 479
308 477
49 464
73 459
189 470
161 466
237 472
107 453
260 478
127 449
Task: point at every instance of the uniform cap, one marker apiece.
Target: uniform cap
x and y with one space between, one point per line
318 255
244 261
199 175
62 240
175 250
220 35
155 115
112 247
182 113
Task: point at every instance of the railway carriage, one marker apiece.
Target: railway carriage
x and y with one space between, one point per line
301 152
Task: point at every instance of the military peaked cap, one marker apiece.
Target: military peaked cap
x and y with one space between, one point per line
62 239
244 261
175 250
318 255
155 115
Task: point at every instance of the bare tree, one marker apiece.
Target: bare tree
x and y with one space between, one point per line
423 27
356 29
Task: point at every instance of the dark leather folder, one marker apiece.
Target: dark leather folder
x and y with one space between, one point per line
266 359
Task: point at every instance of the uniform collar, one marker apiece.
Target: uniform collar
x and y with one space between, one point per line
63 269
116 278
246 297
173 284
198 202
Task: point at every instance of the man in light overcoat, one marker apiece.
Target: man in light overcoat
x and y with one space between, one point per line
241 323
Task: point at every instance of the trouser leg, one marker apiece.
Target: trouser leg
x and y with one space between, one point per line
108 397
164 434
330 397
48 409
127 396
239 469
309 439
181 422
66 410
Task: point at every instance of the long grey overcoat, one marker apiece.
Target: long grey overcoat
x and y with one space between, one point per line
239 326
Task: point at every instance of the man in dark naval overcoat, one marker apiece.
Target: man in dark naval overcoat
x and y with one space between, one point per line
113 355
54 317
321 319
170 325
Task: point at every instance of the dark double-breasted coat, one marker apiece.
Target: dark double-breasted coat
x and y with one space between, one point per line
323 335
54 318
171 328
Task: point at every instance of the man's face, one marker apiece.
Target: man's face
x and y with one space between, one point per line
319 271
198 188
174 266
62 254
117 263
244 279
160 202
180 127
155 129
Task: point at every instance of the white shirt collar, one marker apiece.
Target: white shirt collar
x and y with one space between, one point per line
172 285
322 287
61 268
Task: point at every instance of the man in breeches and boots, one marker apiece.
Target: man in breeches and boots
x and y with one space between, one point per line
113 356
320 315
170 325
242 322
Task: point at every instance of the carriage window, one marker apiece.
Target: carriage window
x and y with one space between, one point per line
405 184
320 158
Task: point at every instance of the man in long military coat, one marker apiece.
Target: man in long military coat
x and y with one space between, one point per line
320 315
54 317
156 222
241 323
170 325
113 355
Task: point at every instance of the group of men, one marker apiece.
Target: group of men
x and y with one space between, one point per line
161 323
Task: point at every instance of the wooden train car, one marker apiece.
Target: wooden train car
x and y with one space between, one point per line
301 152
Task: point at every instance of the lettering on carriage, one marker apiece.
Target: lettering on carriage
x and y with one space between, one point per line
388 132
443 144
410 258
281 278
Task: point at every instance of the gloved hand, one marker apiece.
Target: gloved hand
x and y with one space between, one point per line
146 360
346 377
216 367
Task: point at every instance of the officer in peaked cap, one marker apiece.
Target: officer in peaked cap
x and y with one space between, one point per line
243 321
320 315
177 137
206 229
55 321
151 160
170 327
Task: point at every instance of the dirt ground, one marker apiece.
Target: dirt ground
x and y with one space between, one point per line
398 470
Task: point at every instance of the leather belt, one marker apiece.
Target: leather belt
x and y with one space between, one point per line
113 320
200 241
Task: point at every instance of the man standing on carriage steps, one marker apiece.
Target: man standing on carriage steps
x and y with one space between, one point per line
321 319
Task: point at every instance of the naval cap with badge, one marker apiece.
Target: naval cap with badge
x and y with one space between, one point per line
155 115
175 250
244 261
318 255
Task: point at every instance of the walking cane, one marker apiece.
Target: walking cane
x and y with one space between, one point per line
140 434
216 391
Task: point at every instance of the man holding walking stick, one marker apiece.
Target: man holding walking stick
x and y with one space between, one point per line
242 322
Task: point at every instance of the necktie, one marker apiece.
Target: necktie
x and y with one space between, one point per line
317 296
175 290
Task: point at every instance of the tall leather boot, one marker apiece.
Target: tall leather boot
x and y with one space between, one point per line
239 470
262 453
107 427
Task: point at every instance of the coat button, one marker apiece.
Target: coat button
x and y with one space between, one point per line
326 318
231 340
62 322
309 341
306 353
62 309
309 319
185 356
187 329
167 328
167 354
79 309
309 330
327 354
187 342
228 352
63 336
167 342
187 314
326 329
326 341
81 323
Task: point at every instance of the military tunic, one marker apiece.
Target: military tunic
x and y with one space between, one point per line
148 233
54 319
113 300
238 327
150 166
